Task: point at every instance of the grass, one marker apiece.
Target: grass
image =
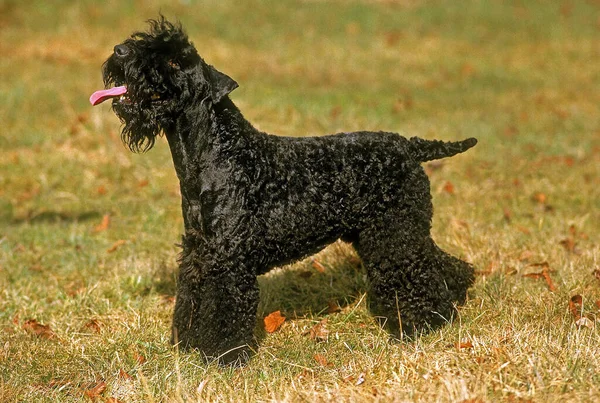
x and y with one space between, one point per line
519 76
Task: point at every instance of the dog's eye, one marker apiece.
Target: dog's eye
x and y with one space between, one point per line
173 64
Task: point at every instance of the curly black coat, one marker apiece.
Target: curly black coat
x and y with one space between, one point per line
253 201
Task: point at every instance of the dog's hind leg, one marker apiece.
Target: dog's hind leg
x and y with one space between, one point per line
413 284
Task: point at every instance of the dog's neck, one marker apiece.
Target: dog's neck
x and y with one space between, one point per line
200 147
196 135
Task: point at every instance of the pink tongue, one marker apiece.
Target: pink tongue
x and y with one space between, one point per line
100 96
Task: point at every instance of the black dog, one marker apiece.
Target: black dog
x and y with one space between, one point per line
252 201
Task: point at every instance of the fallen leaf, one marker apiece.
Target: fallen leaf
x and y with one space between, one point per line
449 188
103 226
321 360
318 266
545 274
143 183
598 304
464 345
273 321
124 375
333 307
101 190
93 325
568 244
539 198
319 332
96 391
43 331
140 359
116 245
576 306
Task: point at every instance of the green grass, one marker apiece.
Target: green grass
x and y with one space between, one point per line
519 76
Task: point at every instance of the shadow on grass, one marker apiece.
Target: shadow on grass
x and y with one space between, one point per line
45 217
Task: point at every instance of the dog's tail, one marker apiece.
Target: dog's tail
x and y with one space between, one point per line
427 150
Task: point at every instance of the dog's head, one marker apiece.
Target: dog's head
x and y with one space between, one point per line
152 77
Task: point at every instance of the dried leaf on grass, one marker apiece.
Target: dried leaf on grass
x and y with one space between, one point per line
273 321
93 326
318 266
103 226
333 307
320 358
464 345
318 332
96 391
34 327
116 245
448 188
576 306
545 274
140 359
124 375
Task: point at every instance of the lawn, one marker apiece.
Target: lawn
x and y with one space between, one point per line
88 230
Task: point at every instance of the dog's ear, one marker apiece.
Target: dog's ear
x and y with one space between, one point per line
220 84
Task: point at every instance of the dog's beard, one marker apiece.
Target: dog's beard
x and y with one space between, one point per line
141 126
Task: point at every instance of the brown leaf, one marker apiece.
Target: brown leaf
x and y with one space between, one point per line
464 345
124 375
598 304
101 190
96 391
539 197
43 331
319 332
449 188
333 307
322 360
116 245
143 183
140 359
576 306
545 274
93 326
568 244
273 321
318 266
103 226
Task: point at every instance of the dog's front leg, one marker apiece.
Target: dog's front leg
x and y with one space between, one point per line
215 311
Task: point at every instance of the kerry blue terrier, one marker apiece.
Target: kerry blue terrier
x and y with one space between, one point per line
252 201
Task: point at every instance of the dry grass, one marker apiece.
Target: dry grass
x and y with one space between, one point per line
85 307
